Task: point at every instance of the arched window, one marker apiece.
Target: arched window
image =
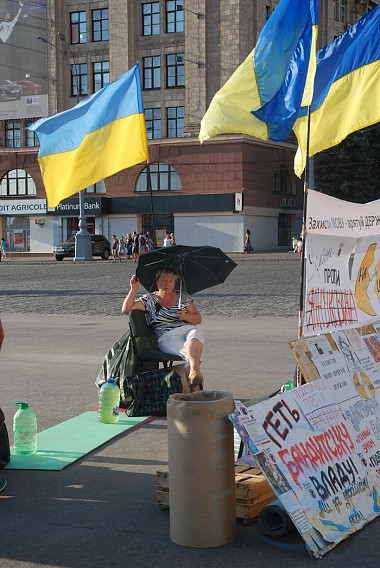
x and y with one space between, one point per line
17 182
163 178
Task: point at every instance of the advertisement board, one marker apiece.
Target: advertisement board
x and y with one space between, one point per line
23 59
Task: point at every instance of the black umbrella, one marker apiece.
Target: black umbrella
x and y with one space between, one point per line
200 267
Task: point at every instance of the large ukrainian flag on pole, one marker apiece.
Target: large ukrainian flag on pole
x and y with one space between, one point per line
102 135
346 89
263 96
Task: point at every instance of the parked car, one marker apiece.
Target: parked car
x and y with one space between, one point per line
100 247
29 87
9 90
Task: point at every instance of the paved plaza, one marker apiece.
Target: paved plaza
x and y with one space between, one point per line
60 319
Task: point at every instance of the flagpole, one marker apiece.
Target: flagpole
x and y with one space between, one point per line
151 204
303 233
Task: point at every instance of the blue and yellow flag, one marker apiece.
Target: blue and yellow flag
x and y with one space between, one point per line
346 89
277 76
102 135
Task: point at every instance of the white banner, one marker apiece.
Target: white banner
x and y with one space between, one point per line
342 264
327 215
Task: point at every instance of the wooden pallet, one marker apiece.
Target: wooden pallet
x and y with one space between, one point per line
253 491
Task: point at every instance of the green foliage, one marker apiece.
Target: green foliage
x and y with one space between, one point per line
351 170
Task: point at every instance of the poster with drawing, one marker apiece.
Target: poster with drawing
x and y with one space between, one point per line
342 264
308 452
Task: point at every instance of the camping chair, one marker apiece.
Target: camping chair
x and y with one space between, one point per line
144 344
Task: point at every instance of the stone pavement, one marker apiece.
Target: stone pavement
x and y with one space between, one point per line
60 319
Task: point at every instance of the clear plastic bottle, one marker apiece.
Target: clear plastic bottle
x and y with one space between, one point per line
109 397
25 430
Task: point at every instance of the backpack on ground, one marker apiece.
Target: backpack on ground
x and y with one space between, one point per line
5 453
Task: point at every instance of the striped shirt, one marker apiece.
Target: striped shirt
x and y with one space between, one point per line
162 318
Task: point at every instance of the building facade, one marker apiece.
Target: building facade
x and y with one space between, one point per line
62 51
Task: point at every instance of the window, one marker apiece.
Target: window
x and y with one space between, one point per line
153 123
163 223
163 178
151 73
174 16
99 187
12 134
78 27
340 10
176 121
17 182
282 181
79 79
151 18
268 12
101 74
175 70
284 230
100 29
30 136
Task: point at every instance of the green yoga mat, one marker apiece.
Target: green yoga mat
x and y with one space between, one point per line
69 441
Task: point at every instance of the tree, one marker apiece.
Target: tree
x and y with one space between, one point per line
351 170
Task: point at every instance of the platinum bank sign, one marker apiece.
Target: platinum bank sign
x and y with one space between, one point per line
25 207
70 207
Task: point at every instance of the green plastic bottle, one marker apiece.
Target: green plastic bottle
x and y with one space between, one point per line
109 398
24 430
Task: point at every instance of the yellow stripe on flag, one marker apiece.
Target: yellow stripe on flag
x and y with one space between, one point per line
66 173
230 109
353 102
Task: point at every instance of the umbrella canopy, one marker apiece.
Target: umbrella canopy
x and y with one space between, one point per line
200 267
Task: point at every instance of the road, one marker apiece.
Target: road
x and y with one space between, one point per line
258 286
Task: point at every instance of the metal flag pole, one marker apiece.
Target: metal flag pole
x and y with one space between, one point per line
151 203
303 234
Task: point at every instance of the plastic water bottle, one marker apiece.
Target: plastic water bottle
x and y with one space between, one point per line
109 397
25 430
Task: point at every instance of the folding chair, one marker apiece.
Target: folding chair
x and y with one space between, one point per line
142 335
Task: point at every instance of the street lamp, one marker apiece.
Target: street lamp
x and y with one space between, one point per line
83 250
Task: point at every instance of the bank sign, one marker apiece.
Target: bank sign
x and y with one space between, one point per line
70 207
25 207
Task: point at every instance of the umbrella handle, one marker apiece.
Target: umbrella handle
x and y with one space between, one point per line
180 294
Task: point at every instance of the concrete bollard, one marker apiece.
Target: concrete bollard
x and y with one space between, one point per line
201 469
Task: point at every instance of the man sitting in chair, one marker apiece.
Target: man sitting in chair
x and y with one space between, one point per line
175 327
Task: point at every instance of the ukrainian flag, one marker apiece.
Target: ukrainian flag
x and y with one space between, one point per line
276 77
346 89
102 135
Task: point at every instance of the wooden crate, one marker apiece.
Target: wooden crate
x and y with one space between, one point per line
253 492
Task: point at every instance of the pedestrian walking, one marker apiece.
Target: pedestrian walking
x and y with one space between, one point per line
248 248
129 246
122 249
115 248
142 243
4 246
135 248
149 242
167 241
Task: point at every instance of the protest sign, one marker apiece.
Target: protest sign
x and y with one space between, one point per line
342 264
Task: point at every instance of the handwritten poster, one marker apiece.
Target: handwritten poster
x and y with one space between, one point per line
342 252
310 454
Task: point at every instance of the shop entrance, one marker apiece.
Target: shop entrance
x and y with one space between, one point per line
72 226
17 234
163 224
